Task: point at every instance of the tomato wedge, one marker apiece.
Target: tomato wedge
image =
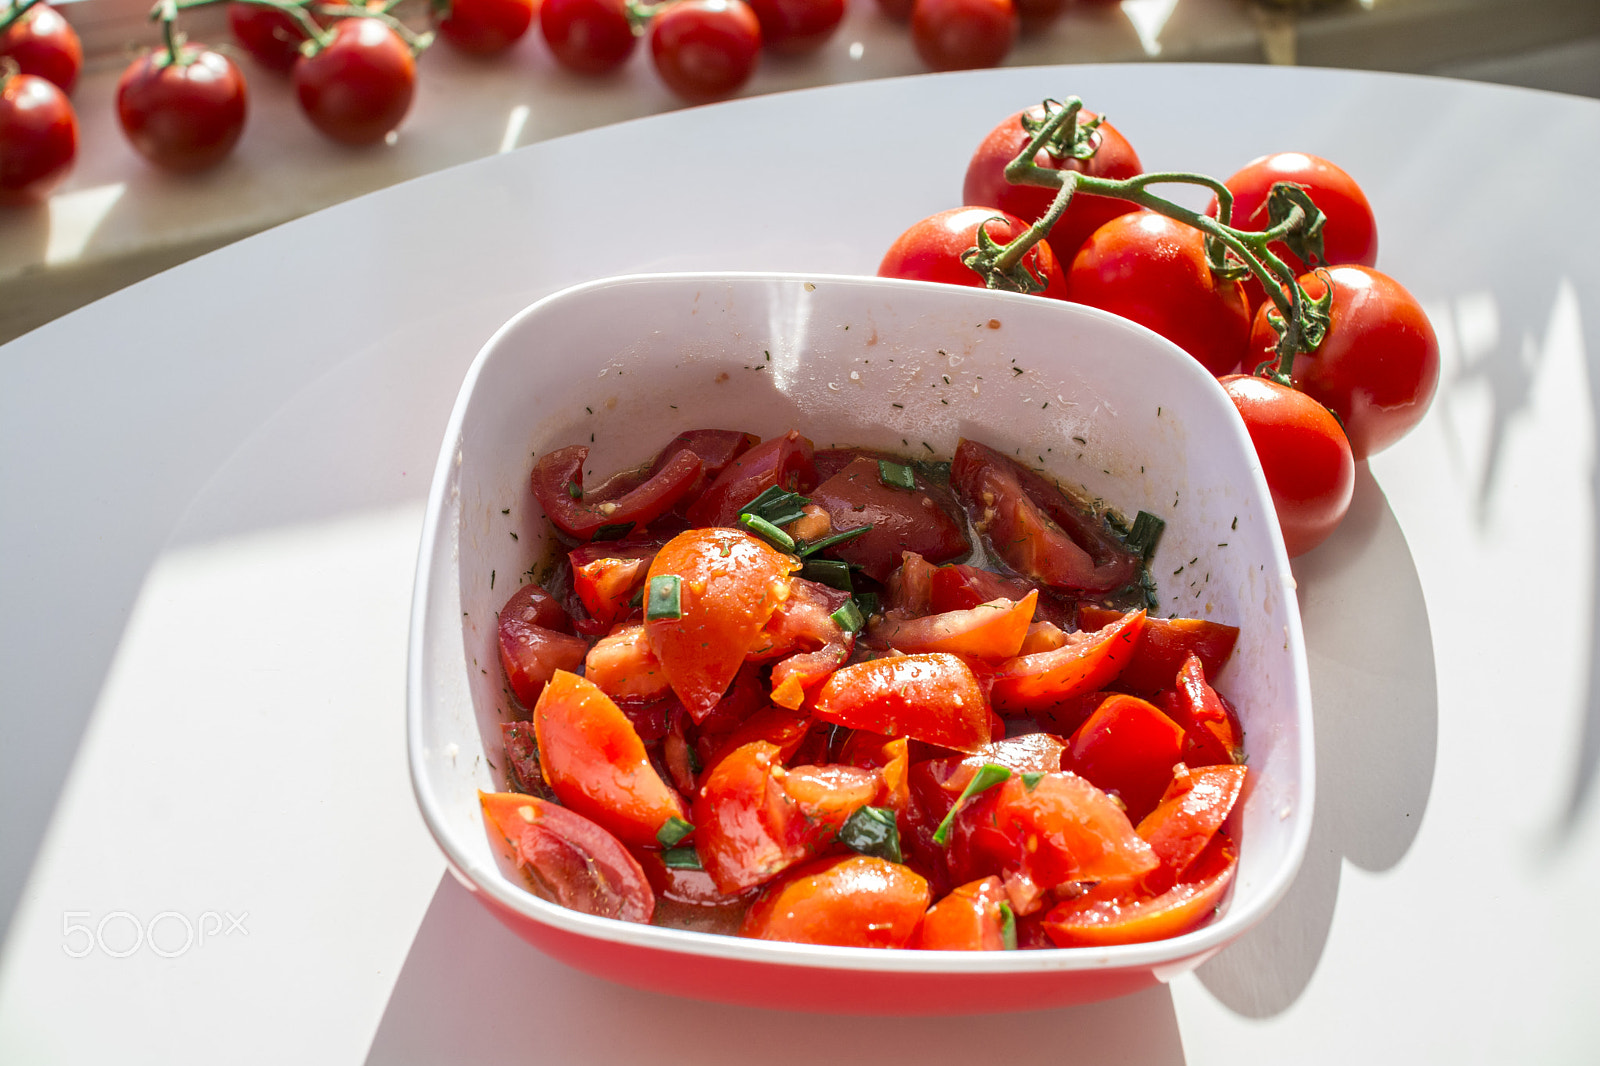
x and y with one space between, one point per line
532 645
968 919
605 576
716 449
958 586
1190 814
1212 734
934 698
1163 647
1129 747
782 461
596 763
728 584
1101 917
572 862
856 901
992 631
902 519
623 666
1034 684
558 486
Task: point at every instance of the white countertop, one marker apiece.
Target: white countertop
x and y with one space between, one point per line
214 483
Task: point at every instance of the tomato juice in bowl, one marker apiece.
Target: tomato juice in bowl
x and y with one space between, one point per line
1102 405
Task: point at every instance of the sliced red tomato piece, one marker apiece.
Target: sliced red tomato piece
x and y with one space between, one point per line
596 763
1034 527
958 586
902 519
781 727
892 758
531 647
1033 684
1190 814
624 667
797 678
1213 736
968 919
855 901
572 861
1127 746
728 585
783 461
558 486
605 576
1042 636
992 631
828 796
1102 917
1163 647
934 698
522 760
802 622
716 449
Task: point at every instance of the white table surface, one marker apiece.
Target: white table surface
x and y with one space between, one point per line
212 490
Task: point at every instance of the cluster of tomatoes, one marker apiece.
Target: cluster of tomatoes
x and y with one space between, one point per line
970 34
1366 370
769 692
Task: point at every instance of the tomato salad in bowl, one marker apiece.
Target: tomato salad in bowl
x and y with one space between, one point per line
841 667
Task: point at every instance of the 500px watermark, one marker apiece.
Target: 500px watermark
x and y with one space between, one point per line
169 934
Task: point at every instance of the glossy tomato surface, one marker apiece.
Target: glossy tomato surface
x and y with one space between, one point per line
38 138
587 36
963 34
986 183
272 37
43 43
484 27
1378 366
1153 270
931 250
186 115
705 49
358 88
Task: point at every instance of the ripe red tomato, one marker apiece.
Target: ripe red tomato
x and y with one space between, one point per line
484 27
1152 269
899 10
968 919
587 36
1350 234
38 138
856 901
931 250
44 44
793 27
186 115
1378 365
1304 454
933 697
705 49
272 37
986 182
963 34
357 88
1105 915
573 861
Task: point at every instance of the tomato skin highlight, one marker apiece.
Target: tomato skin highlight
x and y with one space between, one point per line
932 697
1190 814
596 763
1101 917
857 901
574 862
931 250
986 183
44 44
1164 646
968 919
1304 454
38 138
183 116
1213 734
1038 683
705 49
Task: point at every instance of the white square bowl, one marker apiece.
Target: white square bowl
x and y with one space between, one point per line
626 363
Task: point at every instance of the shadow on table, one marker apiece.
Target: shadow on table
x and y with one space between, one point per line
1375 702
473 993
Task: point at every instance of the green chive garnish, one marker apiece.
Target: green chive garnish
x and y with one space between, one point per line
776 505
988 775
1030 780
762 528
848 617
872 831
684 858
616 531
812 546
868 602
1008 926
663 600
673 830
835 573
1145 533
896 475
574 490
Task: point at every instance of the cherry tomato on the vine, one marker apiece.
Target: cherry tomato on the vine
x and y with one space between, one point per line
1304 455
1377 367
931 250
899 10
986 182
1350 233
38 137
44 44
705 49
963 34
484 27
272 37
358 87
793 27
1153 270
587 36
185 115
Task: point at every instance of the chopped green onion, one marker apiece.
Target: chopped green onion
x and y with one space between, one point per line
684 858
1030 780
811 546
637 599
988 775
616 531
868 602
872 831
848 617
664 600
1145 533
762 528
835 573
574 490
896 475
776 505
673 830
1008 926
